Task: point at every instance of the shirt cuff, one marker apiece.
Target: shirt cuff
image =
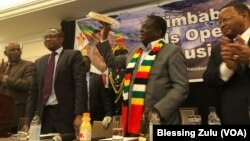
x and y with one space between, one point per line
225 72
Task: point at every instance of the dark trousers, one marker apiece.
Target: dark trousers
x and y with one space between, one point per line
53 122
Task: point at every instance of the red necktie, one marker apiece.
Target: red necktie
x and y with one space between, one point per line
48 80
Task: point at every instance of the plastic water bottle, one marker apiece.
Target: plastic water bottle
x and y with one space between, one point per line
35 128
155 120
85 129
213 118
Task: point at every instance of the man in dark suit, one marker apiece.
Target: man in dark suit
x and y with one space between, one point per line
100 102
228 68
15 80
61 111
156 79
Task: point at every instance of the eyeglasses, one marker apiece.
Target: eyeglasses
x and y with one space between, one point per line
50 36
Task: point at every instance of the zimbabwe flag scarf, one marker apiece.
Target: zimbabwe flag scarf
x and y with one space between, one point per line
132 116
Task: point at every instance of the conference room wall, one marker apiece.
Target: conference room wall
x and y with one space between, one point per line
32 48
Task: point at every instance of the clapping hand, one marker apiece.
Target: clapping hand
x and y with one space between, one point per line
228 53
242 50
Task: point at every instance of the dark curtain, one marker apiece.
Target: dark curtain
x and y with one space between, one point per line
202 97
68 28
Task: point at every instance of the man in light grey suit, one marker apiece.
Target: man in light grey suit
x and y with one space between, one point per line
156 80
15 80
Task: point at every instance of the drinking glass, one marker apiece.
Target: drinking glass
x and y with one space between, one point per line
23 129
194 119
117 129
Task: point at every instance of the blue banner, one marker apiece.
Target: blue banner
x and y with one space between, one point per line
191 25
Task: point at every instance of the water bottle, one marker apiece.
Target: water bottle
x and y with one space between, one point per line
35 128
213 118
85 129
155 120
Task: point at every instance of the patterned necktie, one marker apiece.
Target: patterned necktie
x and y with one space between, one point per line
8 69
48 80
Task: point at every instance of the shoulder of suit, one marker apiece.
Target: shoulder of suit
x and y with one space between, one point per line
42 57
70 51
172 47
26 61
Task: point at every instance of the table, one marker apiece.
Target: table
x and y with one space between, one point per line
9 139
124 139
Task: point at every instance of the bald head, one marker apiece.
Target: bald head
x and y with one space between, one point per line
13 52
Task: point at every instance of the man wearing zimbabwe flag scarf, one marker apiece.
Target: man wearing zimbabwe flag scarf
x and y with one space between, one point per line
156 80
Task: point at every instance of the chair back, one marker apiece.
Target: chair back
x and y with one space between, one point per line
6 113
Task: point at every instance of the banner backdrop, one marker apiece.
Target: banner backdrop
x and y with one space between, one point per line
191 25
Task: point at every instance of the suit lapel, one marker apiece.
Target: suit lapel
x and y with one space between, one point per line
15 68
44 64
91 80
59 62
5 66
242 67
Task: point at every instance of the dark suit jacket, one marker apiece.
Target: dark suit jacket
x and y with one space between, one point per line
235 93
17 86
70 86
101 102
167 86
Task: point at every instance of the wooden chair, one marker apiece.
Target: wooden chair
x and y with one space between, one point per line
6 112
185 112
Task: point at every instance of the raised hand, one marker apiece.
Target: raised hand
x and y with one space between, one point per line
105 30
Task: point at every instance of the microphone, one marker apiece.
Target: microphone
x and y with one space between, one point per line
64 137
